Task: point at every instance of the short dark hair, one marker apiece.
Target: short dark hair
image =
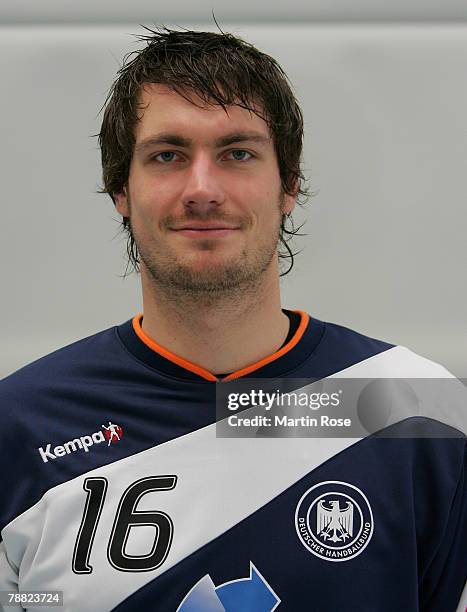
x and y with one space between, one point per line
222 69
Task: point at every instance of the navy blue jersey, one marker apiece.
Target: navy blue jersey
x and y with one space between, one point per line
117 491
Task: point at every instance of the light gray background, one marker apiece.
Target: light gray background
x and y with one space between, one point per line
384 93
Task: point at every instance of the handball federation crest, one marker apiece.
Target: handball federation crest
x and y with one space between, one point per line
334 520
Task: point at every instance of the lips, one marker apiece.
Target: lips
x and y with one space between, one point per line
206 228
217 230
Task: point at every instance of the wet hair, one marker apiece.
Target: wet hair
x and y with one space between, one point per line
221 69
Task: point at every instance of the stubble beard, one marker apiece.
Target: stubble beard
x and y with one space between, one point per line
232 278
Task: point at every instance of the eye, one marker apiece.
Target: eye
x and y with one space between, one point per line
240 151
165 160
164 153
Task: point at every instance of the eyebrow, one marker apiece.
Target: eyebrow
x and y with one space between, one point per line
181 141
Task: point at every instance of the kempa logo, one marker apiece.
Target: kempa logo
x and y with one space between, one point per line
112 433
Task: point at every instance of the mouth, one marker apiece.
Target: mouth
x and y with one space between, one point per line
207 231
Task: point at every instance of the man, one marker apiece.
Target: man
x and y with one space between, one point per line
201 143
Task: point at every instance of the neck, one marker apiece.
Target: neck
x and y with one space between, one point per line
222 333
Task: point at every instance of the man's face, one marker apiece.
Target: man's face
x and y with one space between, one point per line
205 214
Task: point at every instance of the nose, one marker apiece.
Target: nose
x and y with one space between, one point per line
203 190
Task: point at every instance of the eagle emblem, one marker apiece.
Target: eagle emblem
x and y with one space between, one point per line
334 524
334 520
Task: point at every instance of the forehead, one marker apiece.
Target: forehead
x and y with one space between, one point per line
164 109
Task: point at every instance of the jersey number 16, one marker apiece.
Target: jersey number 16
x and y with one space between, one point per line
127 516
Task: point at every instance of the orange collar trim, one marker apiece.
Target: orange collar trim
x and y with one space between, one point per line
192 367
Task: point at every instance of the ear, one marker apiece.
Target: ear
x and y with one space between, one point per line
289 204
121 203
290 200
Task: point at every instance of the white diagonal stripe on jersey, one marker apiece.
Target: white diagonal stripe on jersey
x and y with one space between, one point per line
221 481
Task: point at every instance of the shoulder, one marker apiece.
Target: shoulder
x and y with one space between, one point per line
352 339
62 365
378 356
333 348
394 382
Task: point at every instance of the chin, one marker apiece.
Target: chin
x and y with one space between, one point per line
209 260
